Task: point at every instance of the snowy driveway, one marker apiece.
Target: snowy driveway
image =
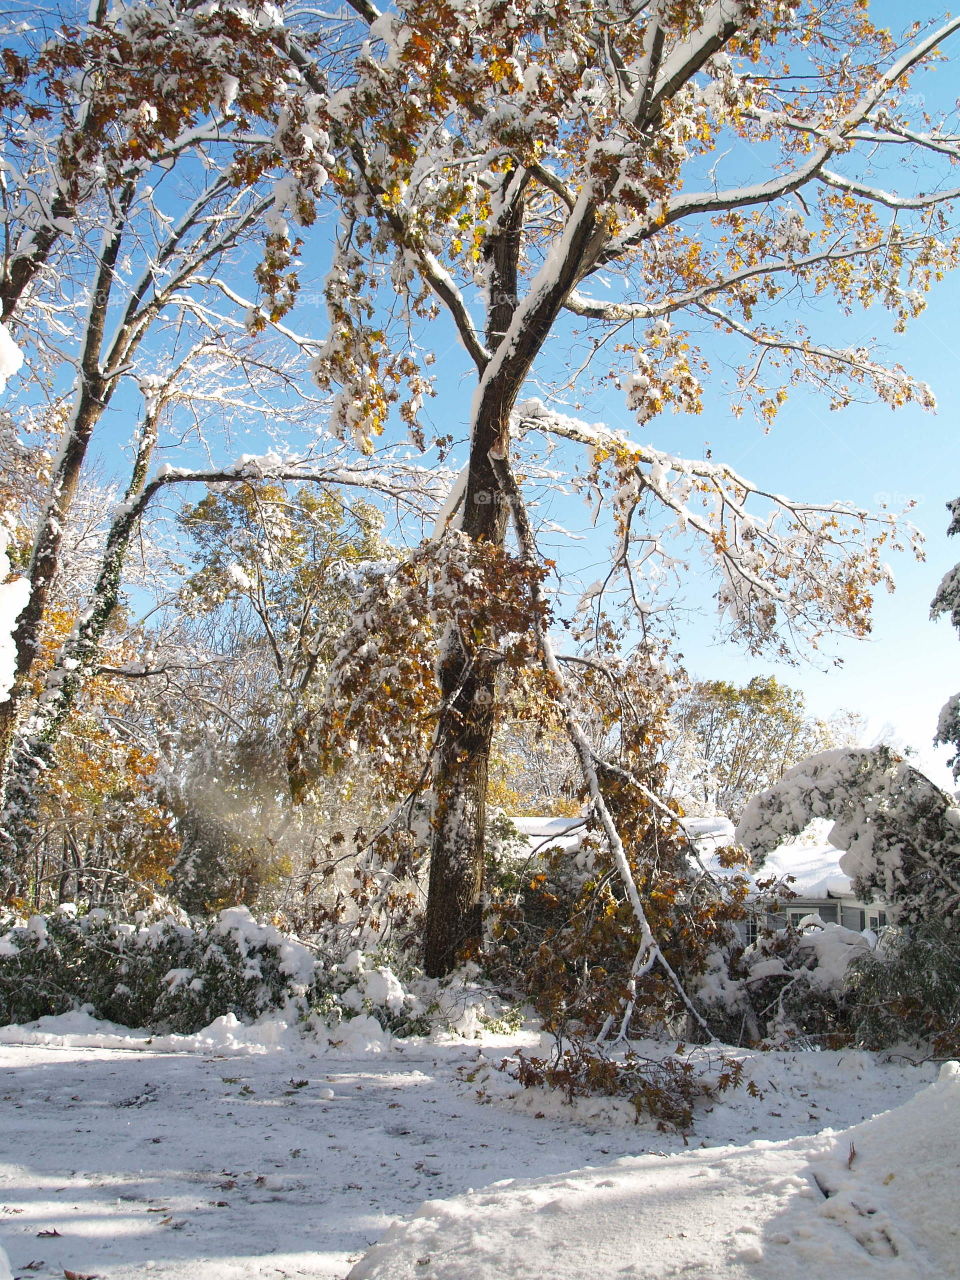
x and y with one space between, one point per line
230 1167
123 1162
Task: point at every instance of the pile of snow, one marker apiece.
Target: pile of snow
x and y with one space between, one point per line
226 1035
878 1199
816 870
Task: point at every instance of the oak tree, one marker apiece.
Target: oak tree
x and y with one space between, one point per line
665 174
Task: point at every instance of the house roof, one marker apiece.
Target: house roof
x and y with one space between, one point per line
815 868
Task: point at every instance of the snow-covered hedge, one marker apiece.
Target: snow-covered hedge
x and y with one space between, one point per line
172 976
908 990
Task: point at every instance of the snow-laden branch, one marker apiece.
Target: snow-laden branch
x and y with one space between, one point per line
893 386
900 832
617 311
877 195
772 189
804 565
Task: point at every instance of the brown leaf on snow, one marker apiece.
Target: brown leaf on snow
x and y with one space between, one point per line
47 1232
80 1275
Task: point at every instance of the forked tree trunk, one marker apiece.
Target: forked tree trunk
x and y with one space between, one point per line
465 734
453 926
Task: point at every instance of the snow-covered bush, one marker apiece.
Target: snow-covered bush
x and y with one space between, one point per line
795 983
665 1087
901 834
172 976
166 974
788 987
909 990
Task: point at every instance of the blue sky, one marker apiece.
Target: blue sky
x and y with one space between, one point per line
903 674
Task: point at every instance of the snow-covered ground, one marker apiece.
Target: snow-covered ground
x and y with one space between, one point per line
256 1154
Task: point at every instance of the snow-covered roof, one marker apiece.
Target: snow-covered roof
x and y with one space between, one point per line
543 832
815 867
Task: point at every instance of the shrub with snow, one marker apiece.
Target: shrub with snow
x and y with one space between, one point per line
909 990
172 976
789 986
901 833
663 1085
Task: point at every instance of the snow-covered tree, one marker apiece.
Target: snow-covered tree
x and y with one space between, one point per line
900 832
130 198
273 576
108 242
661 176
947 601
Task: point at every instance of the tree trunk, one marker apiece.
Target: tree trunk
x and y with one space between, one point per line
44 565
468 688
454 900
453 926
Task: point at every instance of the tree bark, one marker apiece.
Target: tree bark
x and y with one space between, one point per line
453 925
468 690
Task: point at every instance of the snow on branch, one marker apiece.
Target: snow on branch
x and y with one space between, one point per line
823 365
785 569
878 195
900 832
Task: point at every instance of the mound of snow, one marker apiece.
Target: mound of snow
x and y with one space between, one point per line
875 1200
78 1029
